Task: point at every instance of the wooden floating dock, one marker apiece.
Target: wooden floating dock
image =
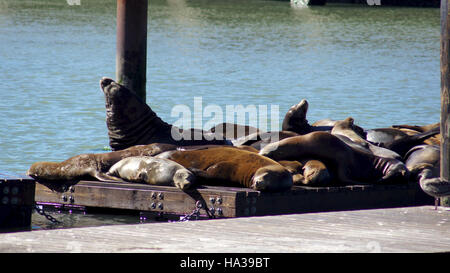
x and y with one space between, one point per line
226 202
408 229
16 200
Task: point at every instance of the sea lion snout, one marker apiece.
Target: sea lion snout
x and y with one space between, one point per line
104 82
183 179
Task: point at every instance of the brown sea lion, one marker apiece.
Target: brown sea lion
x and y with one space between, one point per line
347 128
308 172
131 121
228 166
88 166
346 164
433 140
316 173
153 171
417 128
296 170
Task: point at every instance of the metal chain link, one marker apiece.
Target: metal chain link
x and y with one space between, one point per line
48 216
196 213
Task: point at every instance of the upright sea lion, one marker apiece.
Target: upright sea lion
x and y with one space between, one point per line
347 128
295 121
88 166
131 121
346 164
152 170
229 166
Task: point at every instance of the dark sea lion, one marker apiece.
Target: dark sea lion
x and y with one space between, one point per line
131 121
88 166
295 121
259 140
384 135
404 144
153 171
423 157
346 164
347 128
233 131
229 166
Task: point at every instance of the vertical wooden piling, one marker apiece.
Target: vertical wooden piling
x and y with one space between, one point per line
131 55
445 82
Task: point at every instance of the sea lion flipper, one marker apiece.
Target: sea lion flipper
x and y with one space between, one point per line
107 178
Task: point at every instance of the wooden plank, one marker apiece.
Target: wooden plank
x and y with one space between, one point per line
143 197
234 202
408 229
16 201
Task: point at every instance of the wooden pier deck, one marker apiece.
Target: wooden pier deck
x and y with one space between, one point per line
405 229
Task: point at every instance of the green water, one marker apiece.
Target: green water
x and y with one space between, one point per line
379 65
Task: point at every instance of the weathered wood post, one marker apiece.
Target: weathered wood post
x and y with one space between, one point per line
131 55
445 83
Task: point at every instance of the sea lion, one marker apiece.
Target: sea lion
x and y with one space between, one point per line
384 135
151 170
295 121
404 144
296 170
233 131
348 165
347 128
423 157
417 128
88 166
131 121
261 139
308 172
315 173
229 166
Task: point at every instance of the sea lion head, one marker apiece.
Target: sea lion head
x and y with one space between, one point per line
295 119
43 170
122 104
272 178
183 179
128 117
394 170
